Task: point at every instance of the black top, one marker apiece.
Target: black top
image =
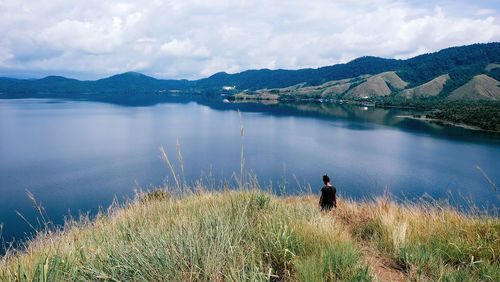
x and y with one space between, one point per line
328 199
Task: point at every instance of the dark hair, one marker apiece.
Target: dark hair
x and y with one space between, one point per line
326 179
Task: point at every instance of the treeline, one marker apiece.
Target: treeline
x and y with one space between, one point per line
483 114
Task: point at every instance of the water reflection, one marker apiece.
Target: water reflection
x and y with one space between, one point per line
364 116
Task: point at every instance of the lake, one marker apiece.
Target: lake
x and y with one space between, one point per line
76 156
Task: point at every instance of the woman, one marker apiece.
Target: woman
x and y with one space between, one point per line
328 199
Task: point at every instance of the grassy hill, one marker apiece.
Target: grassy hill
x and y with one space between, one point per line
429 89
377 85
389 84
460 64
481 87
362 77
254 235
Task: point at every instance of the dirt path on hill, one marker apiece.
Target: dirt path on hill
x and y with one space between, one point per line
383 267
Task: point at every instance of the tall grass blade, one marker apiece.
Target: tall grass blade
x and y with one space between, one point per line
487 178
242 160
179 155
165 158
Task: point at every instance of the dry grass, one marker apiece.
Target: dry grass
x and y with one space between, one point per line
254 235
428 240
235 235
431 88
481 87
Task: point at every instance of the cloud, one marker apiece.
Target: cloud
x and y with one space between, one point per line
86 36
184 48
193 39
482 12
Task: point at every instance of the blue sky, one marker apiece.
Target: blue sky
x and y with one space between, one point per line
194 38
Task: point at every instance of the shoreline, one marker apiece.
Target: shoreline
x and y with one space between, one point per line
366 104
445 122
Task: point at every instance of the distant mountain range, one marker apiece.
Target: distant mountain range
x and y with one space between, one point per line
459 73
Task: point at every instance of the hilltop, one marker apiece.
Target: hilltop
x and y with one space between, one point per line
254 235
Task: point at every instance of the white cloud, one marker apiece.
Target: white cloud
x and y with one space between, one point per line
86 36
193 39
482 12
184 48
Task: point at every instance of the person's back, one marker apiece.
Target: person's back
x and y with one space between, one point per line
328 198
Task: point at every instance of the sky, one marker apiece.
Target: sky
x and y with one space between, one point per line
192 39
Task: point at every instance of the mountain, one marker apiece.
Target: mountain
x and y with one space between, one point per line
467 72
139 82
265 78
459 62
130 83
429 76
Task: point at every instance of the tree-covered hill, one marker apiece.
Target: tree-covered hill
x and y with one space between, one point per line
265 78
461 64
130 83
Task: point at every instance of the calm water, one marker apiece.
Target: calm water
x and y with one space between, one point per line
75 156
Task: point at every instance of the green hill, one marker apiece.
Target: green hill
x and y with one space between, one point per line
126 84
436 75
370 77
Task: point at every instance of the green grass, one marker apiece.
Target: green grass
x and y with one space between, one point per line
254 235
339 262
